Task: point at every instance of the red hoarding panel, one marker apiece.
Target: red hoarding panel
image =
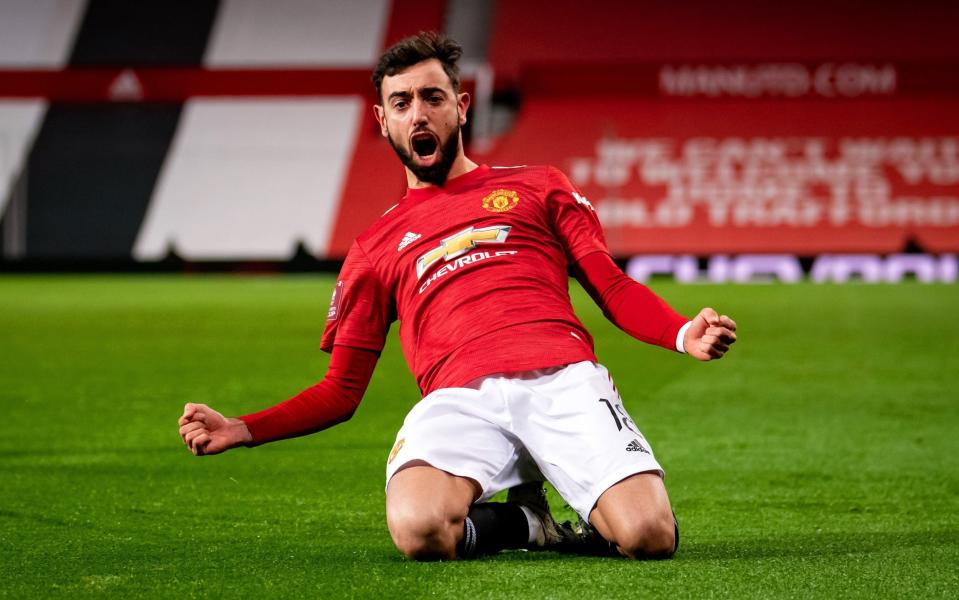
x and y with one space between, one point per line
525 32
827 79
838 80
800 176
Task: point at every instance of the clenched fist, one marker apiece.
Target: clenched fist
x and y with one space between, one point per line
710 335
205 431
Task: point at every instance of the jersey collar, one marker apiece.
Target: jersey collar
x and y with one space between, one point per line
452 186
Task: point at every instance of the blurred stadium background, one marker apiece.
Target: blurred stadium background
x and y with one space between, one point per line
157 133
724 143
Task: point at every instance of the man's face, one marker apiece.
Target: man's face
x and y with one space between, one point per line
421 116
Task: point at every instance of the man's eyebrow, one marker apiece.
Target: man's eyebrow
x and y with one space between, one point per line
425 91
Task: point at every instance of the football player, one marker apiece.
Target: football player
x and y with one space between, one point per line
474 263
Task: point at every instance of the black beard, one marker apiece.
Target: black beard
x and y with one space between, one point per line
438 171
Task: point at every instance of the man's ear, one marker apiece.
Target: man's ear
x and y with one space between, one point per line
463 104
380 113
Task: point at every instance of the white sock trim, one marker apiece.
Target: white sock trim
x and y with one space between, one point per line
537 536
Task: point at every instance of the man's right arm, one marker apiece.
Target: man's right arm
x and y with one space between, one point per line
333 400
358 320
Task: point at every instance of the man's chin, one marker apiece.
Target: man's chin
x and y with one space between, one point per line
427 162
433 169
436 172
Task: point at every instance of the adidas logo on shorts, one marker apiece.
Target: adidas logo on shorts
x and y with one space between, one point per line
635 446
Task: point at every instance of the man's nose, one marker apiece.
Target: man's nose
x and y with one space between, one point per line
419 111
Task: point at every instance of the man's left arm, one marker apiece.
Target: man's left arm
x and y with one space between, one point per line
638 311
630 305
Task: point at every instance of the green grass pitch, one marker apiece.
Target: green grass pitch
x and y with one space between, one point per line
819 460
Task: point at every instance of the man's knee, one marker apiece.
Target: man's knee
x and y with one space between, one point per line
424 535
425 511
648 537
635 515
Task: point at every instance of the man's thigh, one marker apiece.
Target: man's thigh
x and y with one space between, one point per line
462 432
425 489
578 432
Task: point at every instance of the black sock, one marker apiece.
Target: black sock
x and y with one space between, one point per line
676 530
491 527
596 545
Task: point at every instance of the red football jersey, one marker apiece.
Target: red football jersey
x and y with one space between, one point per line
476 273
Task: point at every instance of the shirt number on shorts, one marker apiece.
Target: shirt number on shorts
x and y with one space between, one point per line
621 419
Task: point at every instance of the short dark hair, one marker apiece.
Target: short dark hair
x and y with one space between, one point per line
415 49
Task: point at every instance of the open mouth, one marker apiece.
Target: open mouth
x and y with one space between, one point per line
424 144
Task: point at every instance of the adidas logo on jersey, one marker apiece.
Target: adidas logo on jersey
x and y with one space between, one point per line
582 200
408 239
635 446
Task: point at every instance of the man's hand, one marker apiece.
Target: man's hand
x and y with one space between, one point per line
205 431
710 335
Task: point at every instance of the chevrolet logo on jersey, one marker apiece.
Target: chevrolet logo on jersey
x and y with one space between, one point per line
461 243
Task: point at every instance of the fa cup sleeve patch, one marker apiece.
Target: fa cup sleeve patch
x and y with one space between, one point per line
335 302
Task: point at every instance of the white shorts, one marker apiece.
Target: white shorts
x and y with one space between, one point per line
565 424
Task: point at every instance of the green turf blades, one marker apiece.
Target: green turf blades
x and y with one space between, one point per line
817 460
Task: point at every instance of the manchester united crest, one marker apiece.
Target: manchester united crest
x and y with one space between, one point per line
501 201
